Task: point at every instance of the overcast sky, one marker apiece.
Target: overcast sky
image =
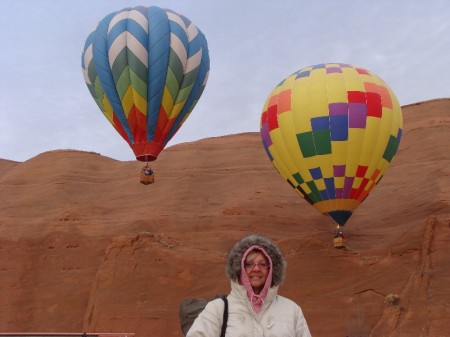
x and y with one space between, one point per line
253 44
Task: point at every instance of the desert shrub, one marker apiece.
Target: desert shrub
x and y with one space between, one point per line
392 299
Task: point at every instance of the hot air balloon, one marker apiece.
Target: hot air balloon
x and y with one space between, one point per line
146 68
331 131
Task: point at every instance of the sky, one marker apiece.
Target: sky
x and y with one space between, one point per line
253 45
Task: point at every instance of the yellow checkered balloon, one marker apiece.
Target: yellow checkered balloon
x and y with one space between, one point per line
331 131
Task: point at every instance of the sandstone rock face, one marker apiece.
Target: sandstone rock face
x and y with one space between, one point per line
85 247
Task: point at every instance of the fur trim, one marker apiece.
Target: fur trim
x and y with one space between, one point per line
233 268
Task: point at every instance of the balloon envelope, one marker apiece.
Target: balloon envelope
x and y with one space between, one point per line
146 68
331 130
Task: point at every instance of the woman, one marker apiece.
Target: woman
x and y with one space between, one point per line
255 268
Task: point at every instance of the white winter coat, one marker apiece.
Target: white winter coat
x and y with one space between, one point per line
279 317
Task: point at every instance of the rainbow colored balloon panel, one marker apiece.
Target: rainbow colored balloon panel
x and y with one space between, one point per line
146 68
331 130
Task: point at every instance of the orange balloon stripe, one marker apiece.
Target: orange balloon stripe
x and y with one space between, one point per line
375 175
284 101
386 99
160 125
138 124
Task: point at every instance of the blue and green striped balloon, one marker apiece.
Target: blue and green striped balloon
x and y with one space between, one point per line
146 68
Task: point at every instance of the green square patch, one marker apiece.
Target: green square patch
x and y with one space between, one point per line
391 148
306 143
322 141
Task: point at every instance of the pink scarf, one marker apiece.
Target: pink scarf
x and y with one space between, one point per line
255 300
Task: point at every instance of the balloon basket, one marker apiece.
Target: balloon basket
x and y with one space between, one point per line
147 176
147 179
339 242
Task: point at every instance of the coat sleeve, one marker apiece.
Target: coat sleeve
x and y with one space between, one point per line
209 321
301 328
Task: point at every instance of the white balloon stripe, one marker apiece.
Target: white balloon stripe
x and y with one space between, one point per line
140 19
178 47
192 32
88 55
137 48
175 18
193 62
116 47
119 17
86 77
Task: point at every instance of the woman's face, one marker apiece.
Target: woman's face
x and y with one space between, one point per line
257 268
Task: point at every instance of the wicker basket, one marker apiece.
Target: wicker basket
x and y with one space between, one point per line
338 242
147 178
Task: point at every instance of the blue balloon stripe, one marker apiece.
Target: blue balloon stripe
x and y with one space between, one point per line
205 57
89 40
195 45
138 32
158 59
115 31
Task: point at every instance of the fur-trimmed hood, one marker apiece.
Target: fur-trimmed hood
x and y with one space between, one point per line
233 268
